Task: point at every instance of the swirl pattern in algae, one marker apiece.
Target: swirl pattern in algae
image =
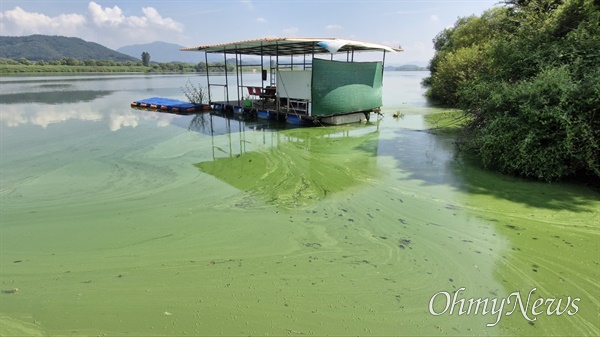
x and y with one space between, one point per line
122 222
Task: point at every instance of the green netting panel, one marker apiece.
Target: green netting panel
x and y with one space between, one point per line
344 87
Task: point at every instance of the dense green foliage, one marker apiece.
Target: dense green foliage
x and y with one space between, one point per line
43 47
145 59
36 68
528 74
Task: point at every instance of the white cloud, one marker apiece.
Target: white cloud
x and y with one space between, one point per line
261 20
291 31
154 18
105 25
106 16
111 26
434 18
18 22
333 27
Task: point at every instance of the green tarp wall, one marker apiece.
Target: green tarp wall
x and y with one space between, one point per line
344 87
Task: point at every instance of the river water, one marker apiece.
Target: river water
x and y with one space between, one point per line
118 221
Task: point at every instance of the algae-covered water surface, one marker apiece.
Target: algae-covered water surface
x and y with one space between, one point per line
116 221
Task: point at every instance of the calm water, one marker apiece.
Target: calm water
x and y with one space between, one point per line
119 221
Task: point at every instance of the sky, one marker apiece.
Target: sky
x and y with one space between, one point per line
411 24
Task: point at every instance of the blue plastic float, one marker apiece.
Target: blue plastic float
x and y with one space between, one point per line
168 104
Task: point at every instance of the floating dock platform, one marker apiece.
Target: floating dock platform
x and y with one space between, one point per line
257 110
301 80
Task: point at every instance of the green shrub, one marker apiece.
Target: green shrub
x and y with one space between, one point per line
535 129
532 87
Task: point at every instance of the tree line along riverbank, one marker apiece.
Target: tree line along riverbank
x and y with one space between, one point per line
72 65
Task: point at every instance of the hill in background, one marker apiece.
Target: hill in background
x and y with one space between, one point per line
44 47
47 48
407 67
167 52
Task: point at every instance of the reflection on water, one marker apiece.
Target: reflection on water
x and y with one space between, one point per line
120 221
54 97
330 160
217 123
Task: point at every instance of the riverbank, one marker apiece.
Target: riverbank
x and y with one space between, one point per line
27 69
47 68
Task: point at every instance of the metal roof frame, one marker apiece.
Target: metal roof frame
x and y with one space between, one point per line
290 46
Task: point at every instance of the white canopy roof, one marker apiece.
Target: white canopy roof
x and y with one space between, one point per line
292 46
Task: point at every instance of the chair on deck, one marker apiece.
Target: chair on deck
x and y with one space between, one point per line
253 92
269 93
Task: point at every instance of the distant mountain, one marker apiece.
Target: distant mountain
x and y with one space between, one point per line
167 52
406 67
45 47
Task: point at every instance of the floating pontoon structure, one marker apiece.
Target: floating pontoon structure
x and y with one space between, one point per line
167 104
298 85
